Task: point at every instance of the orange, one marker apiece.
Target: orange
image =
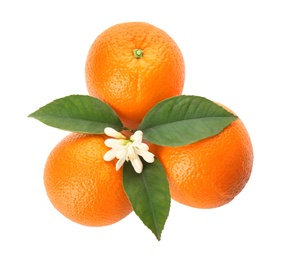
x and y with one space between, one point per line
210 172
133 66
81 185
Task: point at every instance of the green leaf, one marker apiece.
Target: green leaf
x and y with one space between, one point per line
149 194
79 113
184 120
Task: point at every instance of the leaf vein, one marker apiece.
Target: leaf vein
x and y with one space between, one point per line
151 205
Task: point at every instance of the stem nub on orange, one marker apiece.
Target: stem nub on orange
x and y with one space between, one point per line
81 185
210 172
133 66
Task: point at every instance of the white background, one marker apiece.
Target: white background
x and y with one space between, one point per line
236 53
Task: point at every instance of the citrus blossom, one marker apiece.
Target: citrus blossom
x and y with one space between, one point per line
127 149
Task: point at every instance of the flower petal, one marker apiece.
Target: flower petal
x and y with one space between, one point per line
110 155
137 164
143 147
137 138
121 153
120 163
113 133
148 157
113 143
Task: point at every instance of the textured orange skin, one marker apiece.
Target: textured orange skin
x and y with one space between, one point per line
210 172
129 85
81 185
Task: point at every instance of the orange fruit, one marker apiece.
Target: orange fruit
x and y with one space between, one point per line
133 66
210 172
81 185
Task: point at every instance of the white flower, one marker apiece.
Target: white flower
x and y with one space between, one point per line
127 149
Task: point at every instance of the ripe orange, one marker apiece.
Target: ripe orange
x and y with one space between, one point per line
81 185
210 172
133 85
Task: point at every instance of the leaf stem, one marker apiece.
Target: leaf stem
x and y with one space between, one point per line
128 129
